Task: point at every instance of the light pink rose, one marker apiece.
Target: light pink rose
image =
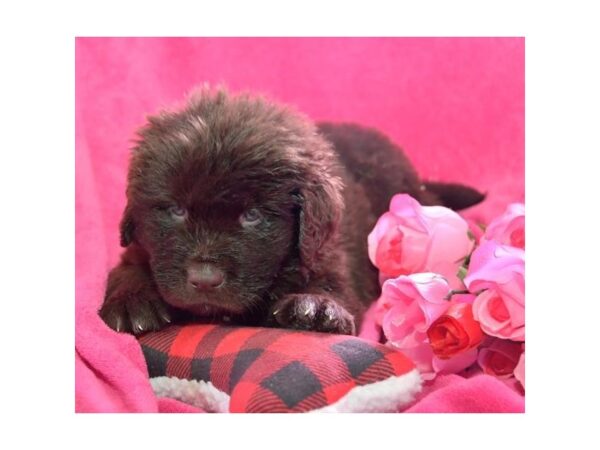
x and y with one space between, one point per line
455 364
407 307
520 370
499 272
499 357
430 366
411 238
509 228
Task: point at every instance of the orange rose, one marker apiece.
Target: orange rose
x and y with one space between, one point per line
455 331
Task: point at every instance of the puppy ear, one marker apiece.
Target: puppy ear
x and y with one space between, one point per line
127 227
321 207
454 196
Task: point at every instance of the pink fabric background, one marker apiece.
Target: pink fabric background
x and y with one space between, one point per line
456 106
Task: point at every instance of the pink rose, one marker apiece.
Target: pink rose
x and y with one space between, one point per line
411 238
455 364
407 307
409 304
430 365
509 228
498 271
499 357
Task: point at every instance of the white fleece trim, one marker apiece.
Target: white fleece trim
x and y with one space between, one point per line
384 396
388 395
196 393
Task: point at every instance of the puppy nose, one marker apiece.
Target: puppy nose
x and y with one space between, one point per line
205 276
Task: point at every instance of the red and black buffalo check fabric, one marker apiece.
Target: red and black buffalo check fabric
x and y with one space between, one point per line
268 369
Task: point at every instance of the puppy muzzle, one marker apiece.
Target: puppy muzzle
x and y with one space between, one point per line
205 277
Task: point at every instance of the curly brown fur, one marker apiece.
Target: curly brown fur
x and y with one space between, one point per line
236 208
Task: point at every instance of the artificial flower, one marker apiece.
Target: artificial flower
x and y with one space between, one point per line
509 228
497 273
411 238
407 307
455 331
499 357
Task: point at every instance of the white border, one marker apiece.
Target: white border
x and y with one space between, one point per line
37 221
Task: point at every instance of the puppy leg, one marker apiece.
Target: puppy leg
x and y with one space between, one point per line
132 303
315 312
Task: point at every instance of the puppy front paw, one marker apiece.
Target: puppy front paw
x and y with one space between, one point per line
312 312
136 312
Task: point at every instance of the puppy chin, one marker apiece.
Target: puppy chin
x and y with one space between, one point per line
205 305
208 310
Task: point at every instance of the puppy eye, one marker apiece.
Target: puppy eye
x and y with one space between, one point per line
177 212
251 217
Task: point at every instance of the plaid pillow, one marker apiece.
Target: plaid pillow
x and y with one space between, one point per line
276 370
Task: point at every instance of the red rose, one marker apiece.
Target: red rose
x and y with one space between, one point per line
455 331
500 357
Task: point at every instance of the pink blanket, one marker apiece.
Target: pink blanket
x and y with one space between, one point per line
455 105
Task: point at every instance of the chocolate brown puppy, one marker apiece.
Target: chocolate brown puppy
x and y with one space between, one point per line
244 210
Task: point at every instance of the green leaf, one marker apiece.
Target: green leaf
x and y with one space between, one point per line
462 273
467 260
464 261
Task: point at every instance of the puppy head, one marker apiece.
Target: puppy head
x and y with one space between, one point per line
226 194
